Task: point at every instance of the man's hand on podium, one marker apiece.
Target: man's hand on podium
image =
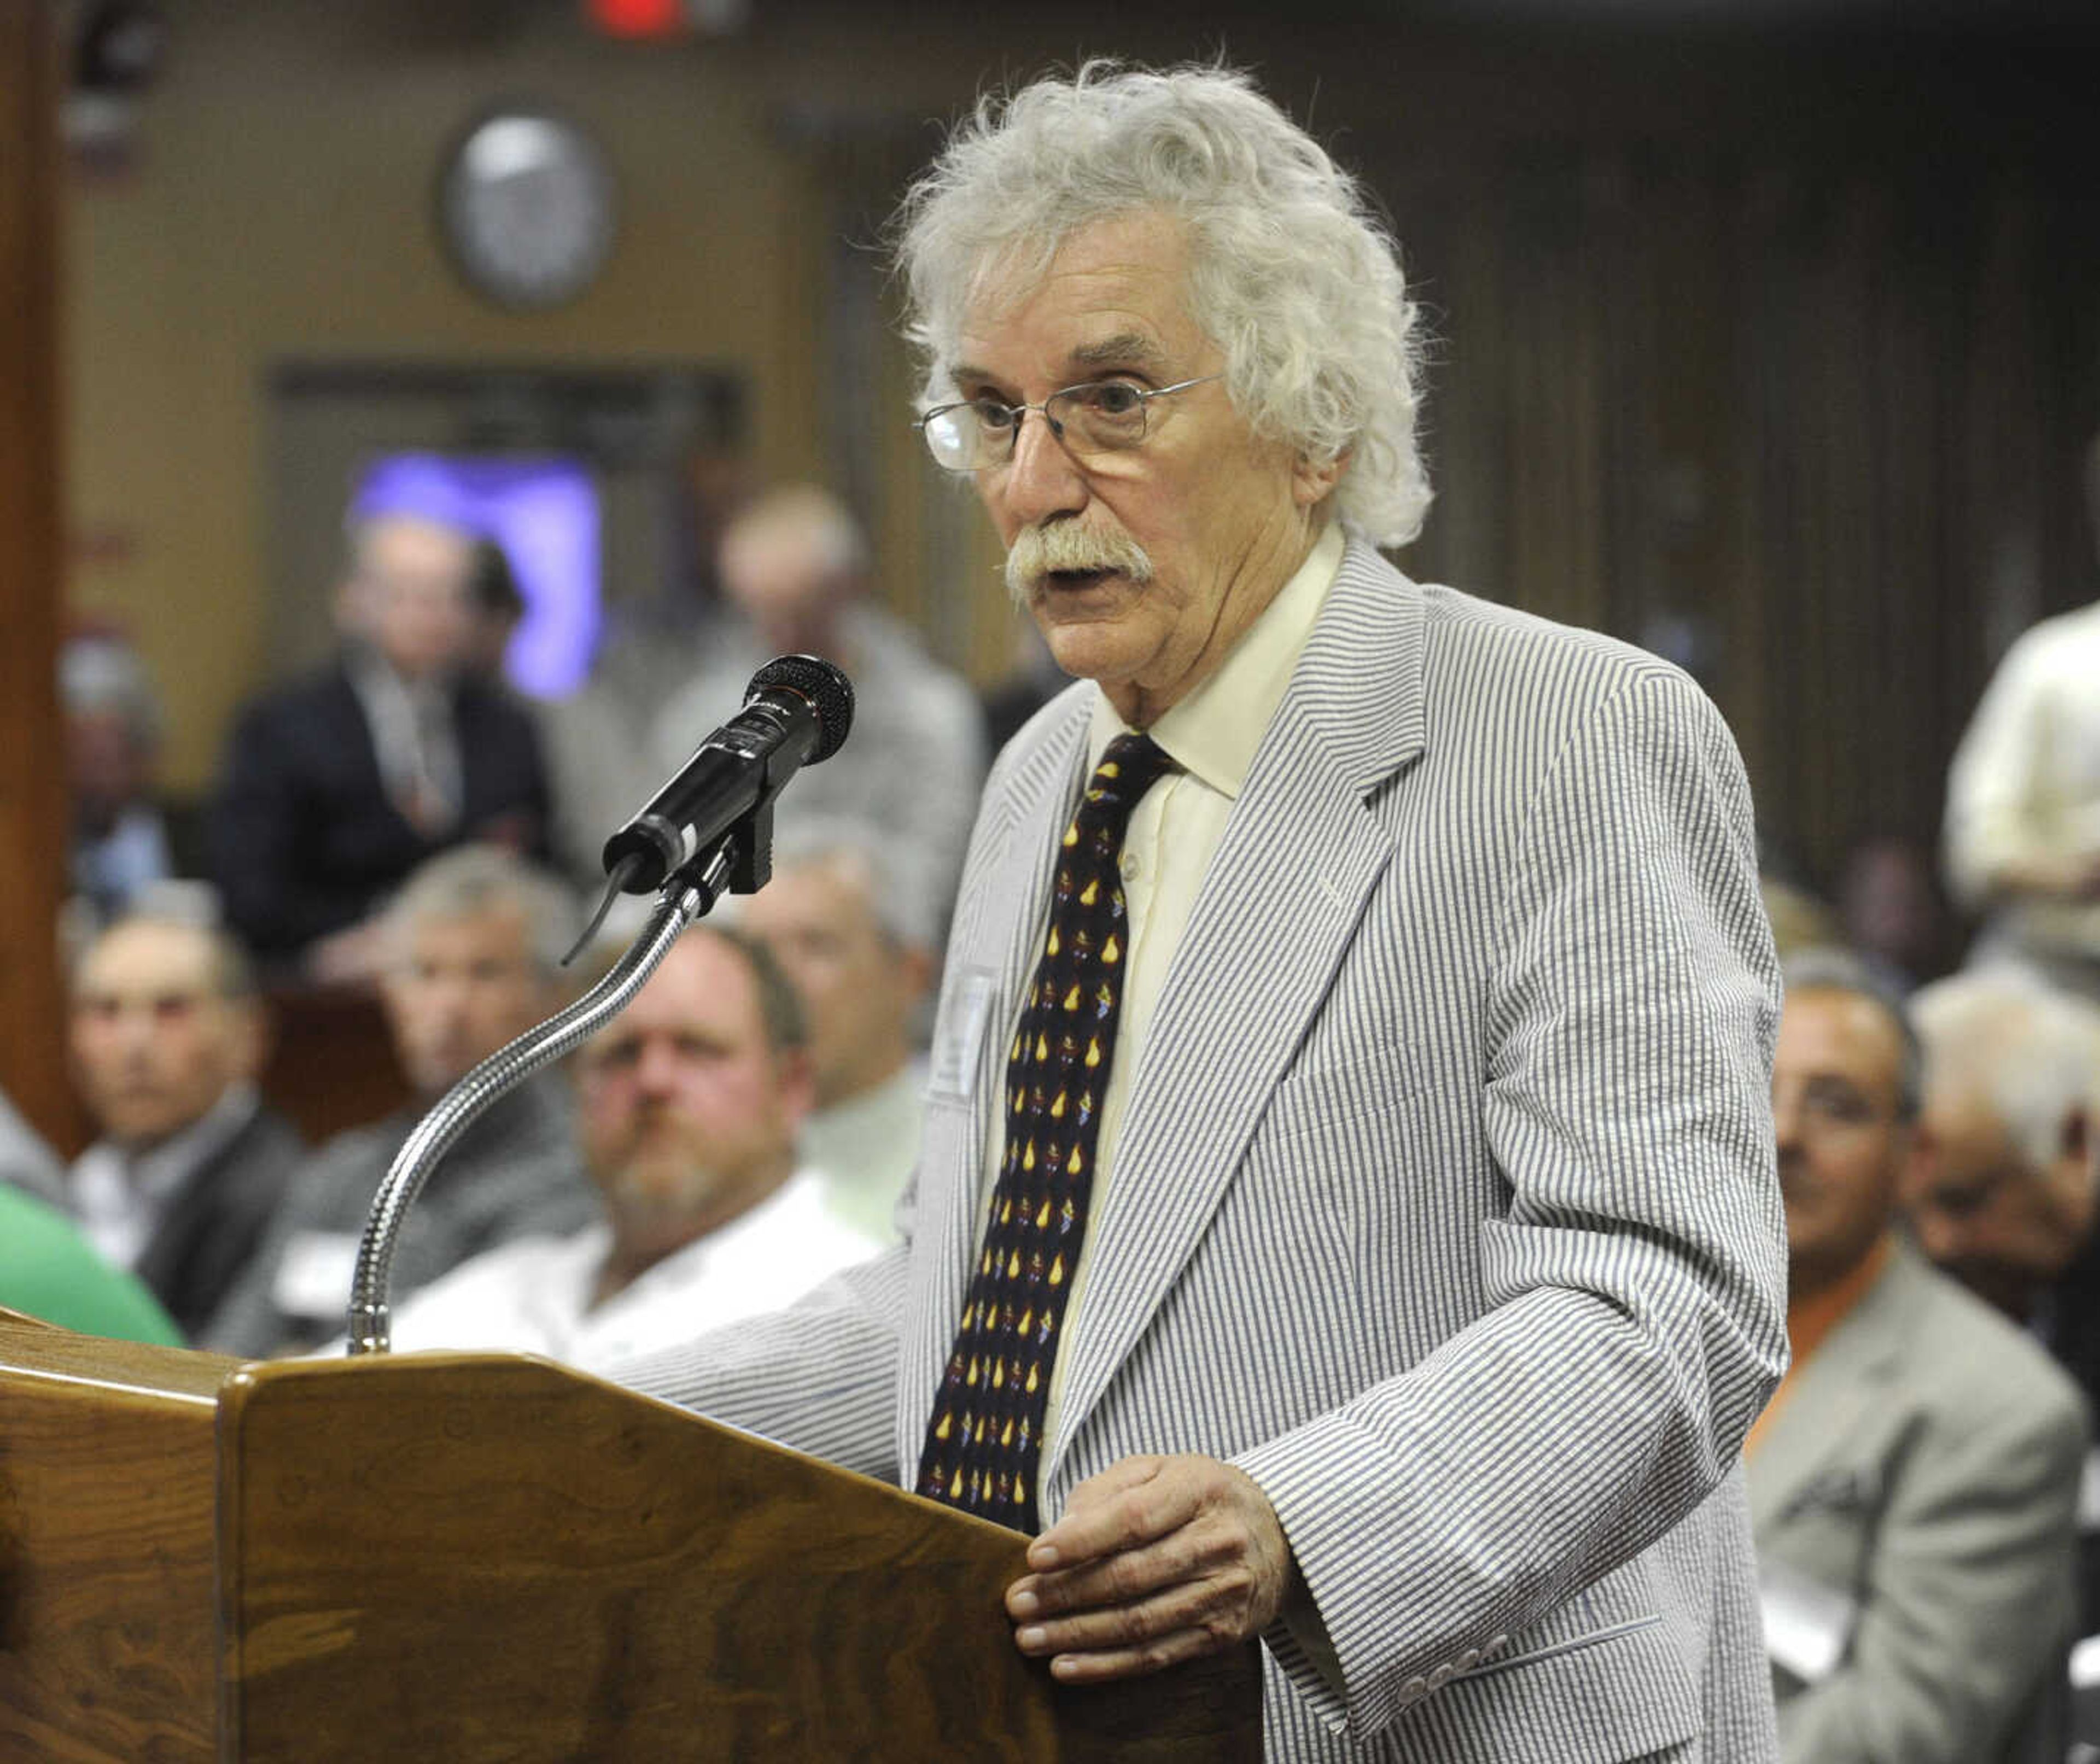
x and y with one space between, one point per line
1155 1561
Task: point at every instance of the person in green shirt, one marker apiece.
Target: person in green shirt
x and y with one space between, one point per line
49 1271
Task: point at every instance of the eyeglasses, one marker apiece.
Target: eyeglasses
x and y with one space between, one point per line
1101 417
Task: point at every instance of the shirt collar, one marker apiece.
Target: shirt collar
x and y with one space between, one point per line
1212 733
156 1174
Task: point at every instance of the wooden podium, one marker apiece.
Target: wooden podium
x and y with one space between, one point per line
475 1559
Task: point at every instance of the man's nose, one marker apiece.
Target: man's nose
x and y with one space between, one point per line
1043 480
656 1070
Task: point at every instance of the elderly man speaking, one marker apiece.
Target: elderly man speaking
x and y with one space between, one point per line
1346 1213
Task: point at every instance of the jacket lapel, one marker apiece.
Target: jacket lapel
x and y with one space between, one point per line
1835 1396
1300 856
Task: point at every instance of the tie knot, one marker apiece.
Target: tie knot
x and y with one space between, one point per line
1132 766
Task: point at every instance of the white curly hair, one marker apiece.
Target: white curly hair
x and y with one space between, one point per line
1291 272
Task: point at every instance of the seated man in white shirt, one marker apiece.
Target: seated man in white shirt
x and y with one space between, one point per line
856 934
688 1105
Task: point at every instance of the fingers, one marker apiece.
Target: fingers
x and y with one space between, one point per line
1128 1504
1123 1576
1182 1619
1133 1662
1155 1560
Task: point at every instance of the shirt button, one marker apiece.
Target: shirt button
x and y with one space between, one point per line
1130 866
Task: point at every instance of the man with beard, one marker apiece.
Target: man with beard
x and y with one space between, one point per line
687 1108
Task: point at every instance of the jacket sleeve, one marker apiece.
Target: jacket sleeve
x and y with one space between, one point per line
820 1376
1635 1273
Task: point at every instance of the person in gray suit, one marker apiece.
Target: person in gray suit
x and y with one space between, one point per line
1345 1214
474 941
1914 1484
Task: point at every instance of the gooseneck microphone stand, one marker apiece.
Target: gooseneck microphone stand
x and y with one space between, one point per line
686 895
798 711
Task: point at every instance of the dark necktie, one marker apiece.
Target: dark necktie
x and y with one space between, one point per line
985 1435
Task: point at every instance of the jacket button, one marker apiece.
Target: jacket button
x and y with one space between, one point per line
1414 1690
1469 1659
1440 1678
1495 1646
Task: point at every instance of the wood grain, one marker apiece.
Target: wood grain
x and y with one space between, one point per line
510 1561
107 1649
493 1560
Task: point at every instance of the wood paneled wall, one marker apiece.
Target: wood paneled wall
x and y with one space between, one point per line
31 768
1813 428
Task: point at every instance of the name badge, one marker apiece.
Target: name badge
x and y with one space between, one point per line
958 1036
1807 1624
313 1279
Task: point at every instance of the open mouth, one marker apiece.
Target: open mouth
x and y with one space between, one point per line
1073 580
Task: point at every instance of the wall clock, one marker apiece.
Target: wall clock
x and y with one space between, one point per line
526 206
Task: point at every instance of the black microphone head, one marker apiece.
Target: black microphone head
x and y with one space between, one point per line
826 689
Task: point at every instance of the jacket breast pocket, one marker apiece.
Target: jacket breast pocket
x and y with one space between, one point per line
1327 1096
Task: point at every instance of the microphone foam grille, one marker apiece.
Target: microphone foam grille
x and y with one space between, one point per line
829 692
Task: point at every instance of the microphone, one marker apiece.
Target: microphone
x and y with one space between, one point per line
797 711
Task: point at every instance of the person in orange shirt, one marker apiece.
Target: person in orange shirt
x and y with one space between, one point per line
1914 1483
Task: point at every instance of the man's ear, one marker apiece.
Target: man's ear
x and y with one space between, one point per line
1312 481
2072 1175
1920 1157
253 1030
796 1073
915 964
1916 1166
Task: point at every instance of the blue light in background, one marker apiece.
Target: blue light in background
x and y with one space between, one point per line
543 512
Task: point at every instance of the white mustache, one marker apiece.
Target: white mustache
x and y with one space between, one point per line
1064 544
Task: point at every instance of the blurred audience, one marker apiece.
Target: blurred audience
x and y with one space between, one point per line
2022 821
496 609
121 839
473 942
1914 1481
794 570
2005 1202
49 1271
337 785
167 1037
687 1108
1799 920
856 938
598 740
1891 911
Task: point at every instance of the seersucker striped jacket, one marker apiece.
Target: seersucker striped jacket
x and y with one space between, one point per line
1444 1204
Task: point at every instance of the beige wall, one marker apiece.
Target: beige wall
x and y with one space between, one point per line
280 203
